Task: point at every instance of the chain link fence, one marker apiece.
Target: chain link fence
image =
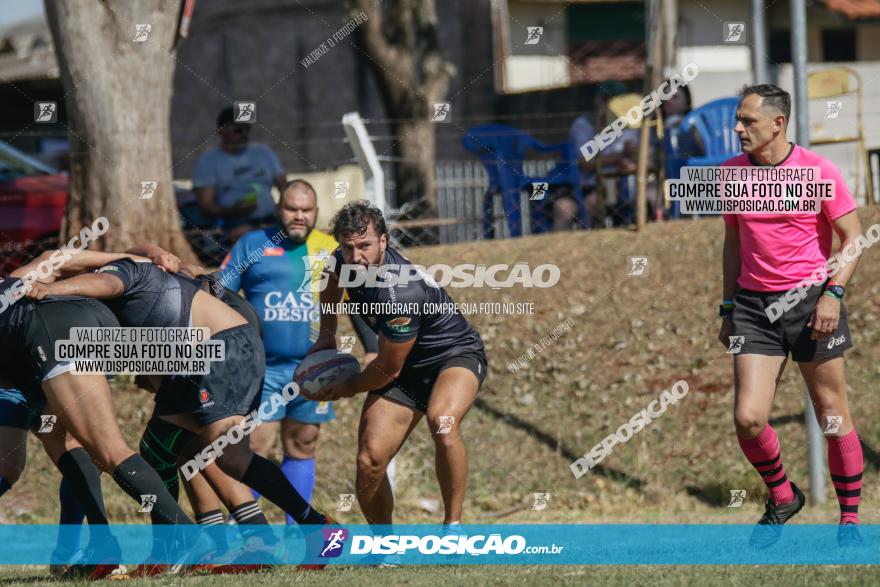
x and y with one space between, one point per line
459 216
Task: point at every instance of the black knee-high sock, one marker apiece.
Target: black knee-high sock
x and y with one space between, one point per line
70 519
252 522
267 478
84 480
215 526
136 478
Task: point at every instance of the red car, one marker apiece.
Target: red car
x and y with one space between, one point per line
33 199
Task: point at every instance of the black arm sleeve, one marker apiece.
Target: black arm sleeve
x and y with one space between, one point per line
131 273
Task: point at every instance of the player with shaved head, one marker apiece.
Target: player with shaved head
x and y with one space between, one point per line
273 267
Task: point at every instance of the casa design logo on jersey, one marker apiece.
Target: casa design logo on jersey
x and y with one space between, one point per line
401 324
334 539
290 306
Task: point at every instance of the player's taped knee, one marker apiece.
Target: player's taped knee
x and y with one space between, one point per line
160 446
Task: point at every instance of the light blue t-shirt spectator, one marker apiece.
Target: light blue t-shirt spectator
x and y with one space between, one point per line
582 131
246 175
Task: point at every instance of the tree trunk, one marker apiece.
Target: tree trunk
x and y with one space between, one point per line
405 56
415 176
118 100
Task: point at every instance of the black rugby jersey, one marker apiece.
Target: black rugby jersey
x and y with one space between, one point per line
151 296
439 335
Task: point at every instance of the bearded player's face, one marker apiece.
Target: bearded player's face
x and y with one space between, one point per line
364 249
297 212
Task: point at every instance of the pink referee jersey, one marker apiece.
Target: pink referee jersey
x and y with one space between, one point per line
778 251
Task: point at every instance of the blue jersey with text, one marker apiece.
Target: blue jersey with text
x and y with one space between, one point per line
274 275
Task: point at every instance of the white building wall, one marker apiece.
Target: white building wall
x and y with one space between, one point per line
725 68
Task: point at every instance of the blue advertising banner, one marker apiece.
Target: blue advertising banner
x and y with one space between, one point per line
514 544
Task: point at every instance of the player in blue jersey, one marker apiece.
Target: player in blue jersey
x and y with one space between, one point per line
274 268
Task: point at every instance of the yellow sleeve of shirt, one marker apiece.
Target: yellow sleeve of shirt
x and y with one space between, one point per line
318 241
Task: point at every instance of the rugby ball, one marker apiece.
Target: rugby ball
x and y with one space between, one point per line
323 368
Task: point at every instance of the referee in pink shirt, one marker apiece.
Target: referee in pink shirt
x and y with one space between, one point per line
765 255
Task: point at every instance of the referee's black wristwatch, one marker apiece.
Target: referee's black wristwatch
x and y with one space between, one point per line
834 290
725 310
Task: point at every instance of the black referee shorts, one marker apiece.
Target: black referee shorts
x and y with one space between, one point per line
788 333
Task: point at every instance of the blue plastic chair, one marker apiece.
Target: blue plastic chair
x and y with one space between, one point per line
714 122
563 173
673 161
502 149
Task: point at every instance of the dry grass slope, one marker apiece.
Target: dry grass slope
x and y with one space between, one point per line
632 337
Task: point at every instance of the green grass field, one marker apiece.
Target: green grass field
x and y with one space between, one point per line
632 338
533 575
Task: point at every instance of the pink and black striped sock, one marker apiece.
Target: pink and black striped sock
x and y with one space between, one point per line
846 466
763 452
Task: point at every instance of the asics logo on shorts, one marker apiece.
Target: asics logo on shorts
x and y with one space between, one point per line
836 341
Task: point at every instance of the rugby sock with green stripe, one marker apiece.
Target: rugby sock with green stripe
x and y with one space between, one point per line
135 477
